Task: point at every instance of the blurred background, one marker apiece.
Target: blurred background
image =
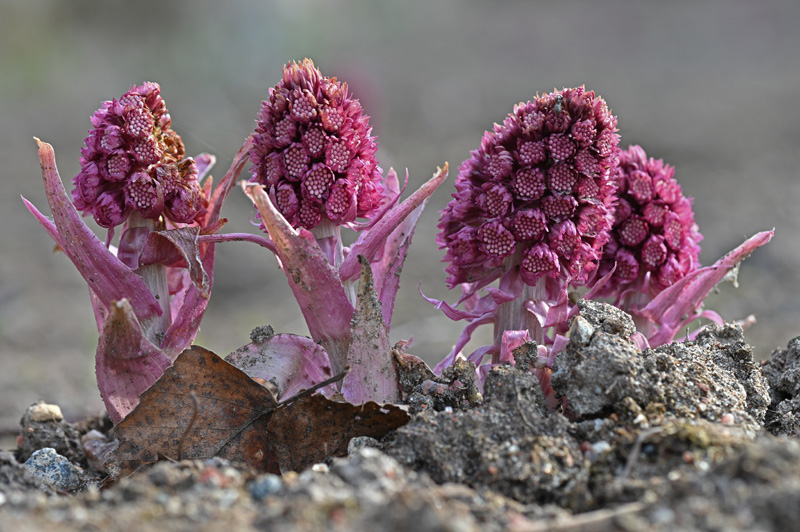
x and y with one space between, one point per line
712 88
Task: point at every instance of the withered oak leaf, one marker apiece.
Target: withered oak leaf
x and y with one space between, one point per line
203 407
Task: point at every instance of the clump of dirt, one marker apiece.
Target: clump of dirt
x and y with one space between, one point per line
755 489
509 444
782 372
43 426
421 389
714 377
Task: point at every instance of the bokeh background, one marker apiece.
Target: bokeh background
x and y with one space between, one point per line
711 87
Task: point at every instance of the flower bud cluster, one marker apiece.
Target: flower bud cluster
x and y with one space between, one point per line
654 230
313 150
539 189
134 161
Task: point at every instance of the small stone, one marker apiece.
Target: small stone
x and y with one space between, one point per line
42 412
259 335
53 470
264 486
727 419
581 331
320 468
361 442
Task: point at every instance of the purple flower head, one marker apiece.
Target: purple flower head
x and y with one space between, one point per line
654 241
313 150
134 161
539 190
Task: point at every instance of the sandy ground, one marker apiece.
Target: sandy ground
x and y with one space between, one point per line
711 88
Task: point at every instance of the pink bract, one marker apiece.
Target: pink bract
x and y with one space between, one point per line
313 150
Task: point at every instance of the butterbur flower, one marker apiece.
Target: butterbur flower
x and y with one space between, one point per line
533 207
314 171
536 195
313 151
650 267
150 293
134 162
654 241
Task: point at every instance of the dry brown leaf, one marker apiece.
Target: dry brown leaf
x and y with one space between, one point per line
315 427
203 407
230 411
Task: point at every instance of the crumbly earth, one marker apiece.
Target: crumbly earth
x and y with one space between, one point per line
682 437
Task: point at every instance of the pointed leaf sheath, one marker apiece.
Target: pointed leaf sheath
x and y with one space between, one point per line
372 376
371 241
186 322
126 362
314 282
107 277
387 269
678 305
292 363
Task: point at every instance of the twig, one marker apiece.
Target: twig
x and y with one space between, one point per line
309 391
595 521
190 425
637 449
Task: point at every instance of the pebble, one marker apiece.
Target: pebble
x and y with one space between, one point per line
54 470
361 442
264 486
42 412
581 331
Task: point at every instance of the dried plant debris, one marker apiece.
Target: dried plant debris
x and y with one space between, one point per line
714 377
204 407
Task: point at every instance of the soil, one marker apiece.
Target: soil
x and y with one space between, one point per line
689 436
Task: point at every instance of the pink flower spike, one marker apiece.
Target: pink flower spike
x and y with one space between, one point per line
670 308
106 275
565 152
123 350
310 134
314 282
292 363
369 242
133 162
655 240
